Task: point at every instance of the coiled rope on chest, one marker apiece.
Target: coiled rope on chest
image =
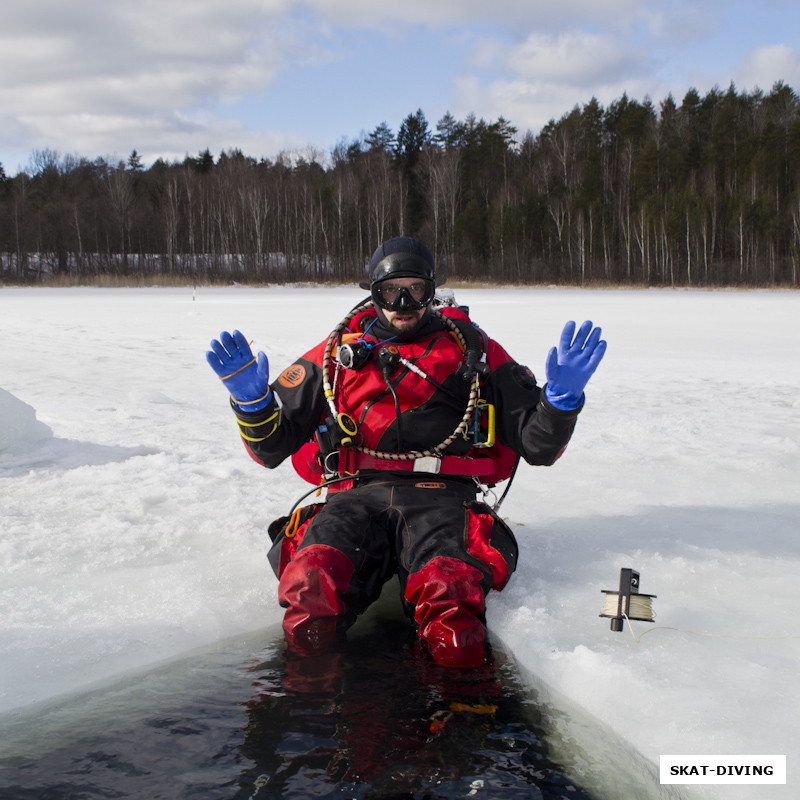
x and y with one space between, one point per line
438 449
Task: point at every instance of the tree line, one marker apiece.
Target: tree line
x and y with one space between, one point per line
705 192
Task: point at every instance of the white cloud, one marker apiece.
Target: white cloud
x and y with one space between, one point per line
545 75
160 52
170 136
574 57
764 66
681 24
161 76
157 75
79 76
500 14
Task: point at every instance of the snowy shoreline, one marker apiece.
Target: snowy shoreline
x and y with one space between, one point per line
135 525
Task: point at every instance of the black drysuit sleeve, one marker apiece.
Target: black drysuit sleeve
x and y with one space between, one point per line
525 420
289 421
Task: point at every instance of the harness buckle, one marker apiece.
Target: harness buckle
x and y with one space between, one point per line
430 464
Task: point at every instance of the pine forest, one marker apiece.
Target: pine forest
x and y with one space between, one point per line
701 192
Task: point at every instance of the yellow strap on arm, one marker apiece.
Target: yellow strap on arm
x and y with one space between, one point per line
255 425
260 439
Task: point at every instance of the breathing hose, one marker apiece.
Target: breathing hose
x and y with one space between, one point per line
384 454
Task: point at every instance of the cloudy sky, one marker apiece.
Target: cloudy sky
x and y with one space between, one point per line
169 77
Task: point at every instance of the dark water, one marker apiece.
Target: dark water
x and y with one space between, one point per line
380 719
376 719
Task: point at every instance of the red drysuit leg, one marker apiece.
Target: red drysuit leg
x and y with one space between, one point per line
449 604
312 589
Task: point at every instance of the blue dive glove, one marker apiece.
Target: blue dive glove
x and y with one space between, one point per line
244 376
571 364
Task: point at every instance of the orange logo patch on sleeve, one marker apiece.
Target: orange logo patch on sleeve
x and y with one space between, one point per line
292 376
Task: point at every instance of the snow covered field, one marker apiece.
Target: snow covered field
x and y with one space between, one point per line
134 524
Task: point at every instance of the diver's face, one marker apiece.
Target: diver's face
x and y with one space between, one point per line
410 306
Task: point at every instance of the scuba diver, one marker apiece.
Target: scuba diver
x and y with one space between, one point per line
406 413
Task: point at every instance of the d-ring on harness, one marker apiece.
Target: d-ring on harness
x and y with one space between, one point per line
417 456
